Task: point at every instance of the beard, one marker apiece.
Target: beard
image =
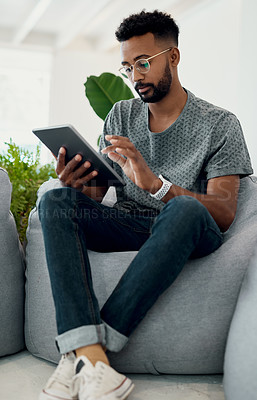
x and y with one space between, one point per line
159 91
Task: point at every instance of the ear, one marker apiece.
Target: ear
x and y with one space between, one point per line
175 57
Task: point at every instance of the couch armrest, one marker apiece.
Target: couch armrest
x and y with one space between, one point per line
5 194
48 185
241 351
11 275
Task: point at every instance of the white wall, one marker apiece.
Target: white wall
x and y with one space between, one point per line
24 95
247 78
218 59
69 103
209 46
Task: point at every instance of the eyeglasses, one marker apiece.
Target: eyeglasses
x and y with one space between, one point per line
142 65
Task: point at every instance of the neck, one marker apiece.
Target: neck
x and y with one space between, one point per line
164 113
171 105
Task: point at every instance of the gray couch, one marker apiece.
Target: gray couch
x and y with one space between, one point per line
11 275
240 366
189 329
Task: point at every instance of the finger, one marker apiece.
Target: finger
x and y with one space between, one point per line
119 143
89 176
81 170
78 183
70 167
116 137
123 144
117 159
131 154
60 160
106 150
110 137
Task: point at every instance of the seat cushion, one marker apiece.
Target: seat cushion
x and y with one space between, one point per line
186 330
11 275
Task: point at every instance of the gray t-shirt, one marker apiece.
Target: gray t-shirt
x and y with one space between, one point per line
203 143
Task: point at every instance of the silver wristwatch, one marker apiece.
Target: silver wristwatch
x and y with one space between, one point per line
166 185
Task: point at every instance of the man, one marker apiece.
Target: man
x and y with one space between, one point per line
166 132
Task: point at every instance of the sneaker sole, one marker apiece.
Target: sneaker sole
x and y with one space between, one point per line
121 392
47 396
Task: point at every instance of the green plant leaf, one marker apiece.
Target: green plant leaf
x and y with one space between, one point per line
104 91
26 175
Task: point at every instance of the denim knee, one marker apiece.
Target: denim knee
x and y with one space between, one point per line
57 195
183 210
188 204
55 198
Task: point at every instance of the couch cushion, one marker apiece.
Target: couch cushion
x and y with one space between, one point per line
241 352
186 330
11 275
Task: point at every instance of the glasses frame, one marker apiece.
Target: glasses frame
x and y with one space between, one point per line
133 66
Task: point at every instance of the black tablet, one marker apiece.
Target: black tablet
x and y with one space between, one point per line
55 137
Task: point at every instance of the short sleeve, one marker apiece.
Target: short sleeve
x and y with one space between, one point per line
228 153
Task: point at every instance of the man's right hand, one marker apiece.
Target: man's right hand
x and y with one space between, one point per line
71 176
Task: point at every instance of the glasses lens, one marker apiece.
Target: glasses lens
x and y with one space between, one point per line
142 66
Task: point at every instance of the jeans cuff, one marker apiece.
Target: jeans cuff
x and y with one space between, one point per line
114 340
81 336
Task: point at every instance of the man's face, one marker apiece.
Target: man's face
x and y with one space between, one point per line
155 85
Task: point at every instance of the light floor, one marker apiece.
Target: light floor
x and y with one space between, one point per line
22 376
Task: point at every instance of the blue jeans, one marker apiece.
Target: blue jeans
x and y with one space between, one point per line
72 223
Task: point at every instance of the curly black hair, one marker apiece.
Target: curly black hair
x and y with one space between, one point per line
160 24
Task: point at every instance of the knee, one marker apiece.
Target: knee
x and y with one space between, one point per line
185 209
53 199
184 202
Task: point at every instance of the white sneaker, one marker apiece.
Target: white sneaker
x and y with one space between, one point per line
99 382
58 385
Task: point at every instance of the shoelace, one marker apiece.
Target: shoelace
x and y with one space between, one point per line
60 376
